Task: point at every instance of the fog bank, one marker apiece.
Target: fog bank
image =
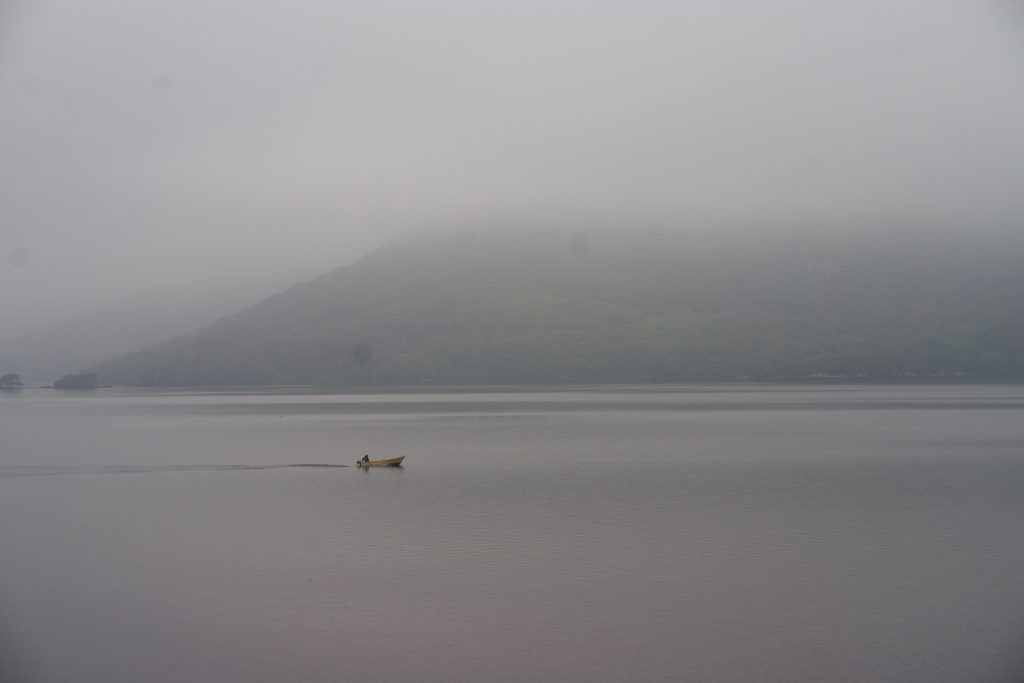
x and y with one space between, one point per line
192 144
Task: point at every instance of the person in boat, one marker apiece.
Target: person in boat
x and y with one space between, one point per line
366 458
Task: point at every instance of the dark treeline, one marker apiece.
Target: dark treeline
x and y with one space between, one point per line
472 308
81 380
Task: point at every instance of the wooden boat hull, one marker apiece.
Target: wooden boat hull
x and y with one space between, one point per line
389 462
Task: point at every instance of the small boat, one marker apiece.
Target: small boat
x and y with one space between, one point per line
389 462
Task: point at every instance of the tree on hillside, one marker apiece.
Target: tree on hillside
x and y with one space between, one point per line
10 381
362 354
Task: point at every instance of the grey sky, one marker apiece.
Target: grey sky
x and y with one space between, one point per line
198 143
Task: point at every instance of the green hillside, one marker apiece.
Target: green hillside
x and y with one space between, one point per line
482 308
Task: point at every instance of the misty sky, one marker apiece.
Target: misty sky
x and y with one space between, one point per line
195 143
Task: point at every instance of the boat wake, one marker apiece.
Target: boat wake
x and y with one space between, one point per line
42 471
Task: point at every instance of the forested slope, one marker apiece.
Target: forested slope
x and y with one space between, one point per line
547 306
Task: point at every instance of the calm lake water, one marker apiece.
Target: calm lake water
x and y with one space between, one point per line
686 533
